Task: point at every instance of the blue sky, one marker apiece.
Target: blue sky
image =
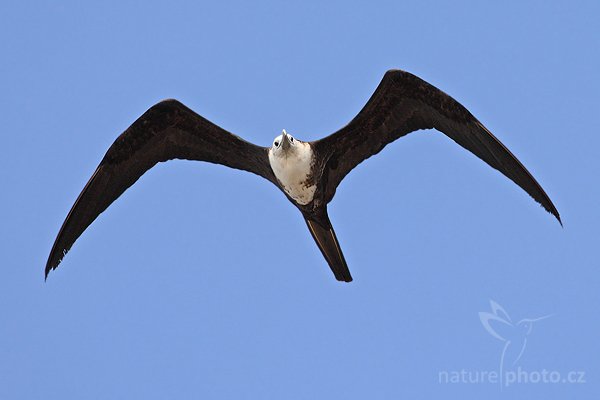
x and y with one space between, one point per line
203 282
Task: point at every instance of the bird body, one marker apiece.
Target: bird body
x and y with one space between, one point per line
308 173
292 162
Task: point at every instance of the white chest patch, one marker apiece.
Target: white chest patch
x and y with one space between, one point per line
292 170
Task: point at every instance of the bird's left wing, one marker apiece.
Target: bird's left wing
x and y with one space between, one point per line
404 103
169 130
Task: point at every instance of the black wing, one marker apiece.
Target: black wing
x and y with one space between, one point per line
169 130
403 103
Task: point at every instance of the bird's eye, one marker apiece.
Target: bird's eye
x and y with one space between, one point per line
276 143
291 139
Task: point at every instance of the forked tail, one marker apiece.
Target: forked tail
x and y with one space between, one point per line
324 235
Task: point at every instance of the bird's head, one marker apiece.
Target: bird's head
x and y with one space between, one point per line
526 324
284 144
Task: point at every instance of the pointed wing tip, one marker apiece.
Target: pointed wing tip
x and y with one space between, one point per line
557 216
49 268
552 210
49 265
53 263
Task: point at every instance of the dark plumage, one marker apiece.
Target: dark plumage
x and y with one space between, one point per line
402 103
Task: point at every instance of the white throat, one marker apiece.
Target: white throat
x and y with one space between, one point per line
292 169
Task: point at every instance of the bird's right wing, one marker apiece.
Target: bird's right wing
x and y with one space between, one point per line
404 103
169 130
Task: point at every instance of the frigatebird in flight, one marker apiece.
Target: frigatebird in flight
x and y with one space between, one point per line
308 173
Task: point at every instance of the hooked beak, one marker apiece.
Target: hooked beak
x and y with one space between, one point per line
285 141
